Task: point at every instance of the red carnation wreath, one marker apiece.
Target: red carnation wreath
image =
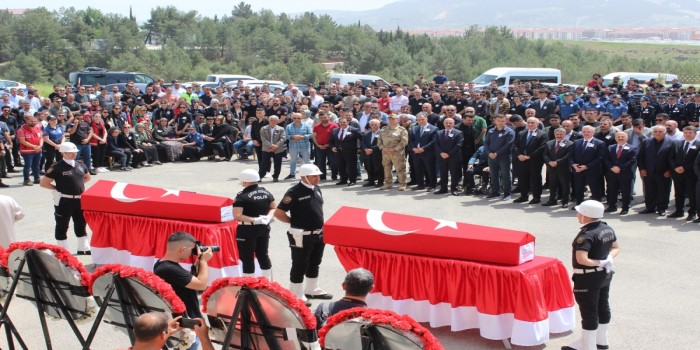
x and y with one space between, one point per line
60 253
382 317
149 279
308 319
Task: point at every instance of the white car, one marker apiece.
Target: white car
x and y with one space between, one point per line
6 85
259 83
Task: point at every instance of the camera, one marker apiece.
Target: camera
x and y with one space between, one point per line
203 248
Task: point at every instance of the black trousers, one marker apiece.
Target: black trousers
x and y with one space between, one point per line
657 191
373 166
559 183
590 177
151 153
592 291
253 242
192 153
619 183
346 160
52 155
306 259
69 208
425 169
469 183
530 178
99 153
684 187
268 159
452 166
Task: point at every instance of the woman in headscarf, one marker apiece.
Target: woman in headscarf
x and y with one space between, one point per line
145 142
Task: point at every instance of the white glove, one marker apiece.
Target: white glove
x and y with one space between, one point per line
605 262
609 267
259 220
56 197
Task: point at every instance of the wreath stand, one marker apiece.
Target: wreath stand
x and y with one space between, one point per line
10 329
248 309
127 302
45 295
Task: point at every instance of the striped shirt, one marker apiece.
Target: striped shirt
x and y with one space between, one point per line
303 130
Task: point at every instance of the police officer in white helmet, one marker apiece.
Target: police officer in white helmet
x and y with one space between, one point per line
594 248
67 179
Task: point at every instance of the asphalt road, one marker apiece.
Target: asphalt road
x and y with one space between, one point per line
653 297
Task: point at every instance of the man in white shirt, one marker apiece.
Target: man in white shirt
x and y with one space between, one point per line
397 101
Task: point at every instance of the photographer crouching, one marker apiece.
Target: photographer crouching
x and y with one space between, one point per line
181 246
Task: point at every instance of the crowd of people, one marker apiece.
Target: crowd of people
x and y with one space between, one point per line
437 135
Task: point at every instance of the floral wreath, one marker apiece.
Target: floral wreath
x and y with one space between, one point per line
294 303
383 317
67 259
155 284
60 253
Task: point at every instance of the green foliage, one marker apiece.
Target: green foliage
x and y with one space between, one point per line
45 46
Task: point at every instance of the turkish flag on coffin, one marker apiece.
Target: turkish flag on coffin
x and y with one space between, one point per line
378 230
122 198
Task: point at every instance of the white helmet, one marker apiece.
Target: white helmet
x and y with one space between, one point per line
590 208
249 175
309 169
68 147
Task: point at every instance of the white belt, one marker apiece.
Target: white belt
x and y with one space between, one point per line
70 196
247 223
314 232
585 271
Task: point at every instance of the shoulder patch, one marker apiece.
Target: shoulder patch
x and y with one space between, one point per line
580 239
287 199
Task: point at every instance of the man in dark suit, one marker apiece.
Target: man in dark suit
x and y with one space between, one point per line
544 107
448 150
655 171
372 156
421 143
556 156
619 170
681 162
586 162
529 150
344 144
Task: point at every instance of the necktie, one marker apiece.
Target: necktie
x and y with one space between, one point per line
685 148
585 144
342 134
556 148
529 136
420 134
619 151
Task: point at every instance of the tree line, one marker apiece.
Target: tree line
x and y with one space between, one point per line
44 46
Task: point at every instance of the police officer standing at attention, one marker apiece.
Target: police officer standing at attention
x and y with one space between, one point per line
69 177
305 205
594 248
253 208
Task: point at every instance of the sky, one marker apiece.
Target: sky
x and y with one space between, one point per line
142 9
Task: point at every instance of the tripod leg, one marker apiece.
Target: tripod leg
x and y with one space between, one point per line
98 318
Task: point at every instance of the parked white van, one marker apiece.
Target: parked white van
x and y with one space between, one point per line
344 79
642 78
505 76
224 78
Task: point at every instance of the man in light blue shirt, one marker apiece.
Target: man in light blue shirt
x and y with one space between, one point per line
298 134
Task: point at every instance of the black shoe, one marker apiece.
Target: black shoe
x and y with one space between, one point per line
341 183
520 199
411 183
92 172
455 193
334 178
430 189
534 201
647 211
3 185
440 192
37 181
676 214
492 195
352 183
13 171
379 184
696 221
274 179
84 252
565 204
368 184
661 213
319 296
549 203
690 217
624 211
610 210
418 188
290 176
